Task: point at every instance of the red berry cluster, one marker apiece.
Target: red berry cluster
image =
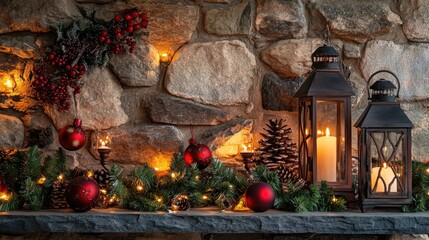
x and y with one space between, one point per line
121 33
68 60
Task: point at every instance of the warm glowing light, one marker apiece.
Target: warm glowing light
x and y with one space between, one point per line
427 170
319 132
328 133
384 165
60 177
334 199
89 174
4 197
104 140
173 175
139 188
158 199
156 169
112 199
205 197
231 186
197 177
165 57
103 191
41 180
306 132
7 84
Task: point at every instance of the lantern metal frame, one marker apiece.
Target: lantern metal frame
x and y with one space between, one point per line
325 84
384 117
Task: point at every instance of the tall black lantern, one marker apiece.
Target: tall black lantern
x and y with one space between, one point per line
325 123
384 133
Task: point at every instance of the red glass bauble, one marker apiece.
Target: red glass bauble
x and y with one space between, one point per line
259 197
197 153
3 187
72 137
82 193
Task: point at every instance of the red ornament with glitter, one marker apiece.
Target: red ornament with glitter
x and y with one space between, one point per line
259 197
82 193
72 137
197 153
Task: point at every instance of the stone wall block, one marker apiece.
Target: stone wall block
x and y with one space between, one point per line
215 73
357 20
281 19
166 109
291 58
139 69
229 21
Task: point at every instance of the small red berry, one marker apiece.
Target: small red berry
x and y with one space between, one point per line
118 35
102 39
51 56
108 41
136 27
68 67
104 33
124 31
130 29
130 23
134 14
118 18
143 16
128 17
117 29
52 87
73 73
144 23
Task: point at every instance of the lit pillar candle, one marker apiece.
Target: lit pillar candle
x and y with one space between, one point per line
327 158
387 175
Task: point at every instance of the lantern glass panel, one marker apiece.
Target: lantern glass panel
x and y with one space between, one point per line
330 153
387 163
305 139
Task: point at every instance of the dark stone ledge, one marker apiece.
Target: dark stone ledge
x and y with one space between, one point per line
212 221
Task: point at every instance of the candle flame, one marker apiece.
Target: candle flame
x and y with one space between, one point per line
244 147
327 132
384 165
205 197
306 132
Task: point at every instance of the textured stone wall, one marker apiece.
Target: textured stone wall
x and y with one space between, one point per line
235 64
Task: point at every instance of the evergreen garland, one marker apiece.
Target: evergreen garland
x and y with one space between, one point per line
420 181
30 185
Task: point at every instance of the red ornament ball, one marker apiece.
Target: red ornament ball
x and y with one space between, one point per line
82 193
197 153
72 137
259 197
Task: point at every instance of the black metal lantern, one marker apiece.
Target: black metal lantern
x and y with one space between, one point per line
325 123
384 133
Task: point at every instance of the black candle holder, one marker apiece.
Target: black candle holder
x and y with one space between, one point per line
104 155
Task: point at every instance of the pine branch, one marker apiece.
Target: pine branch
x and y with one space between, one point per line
33 167
32 194
118 186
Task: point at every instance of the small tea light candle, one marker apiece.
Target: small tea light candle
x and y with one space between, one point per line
387 174
165 58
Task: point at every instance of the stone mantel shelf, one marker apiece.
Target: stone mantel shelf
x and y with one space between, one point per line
209 220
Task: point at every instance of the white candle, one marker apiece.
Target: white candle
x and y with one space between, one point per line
103 145
327 158
387 175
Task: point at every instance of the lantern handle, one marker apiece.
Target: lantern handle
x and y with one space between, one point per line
381 71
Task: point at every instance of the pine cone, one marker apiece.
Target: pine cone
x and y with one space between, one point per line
180 202
58 198
289 178
102 177
45 137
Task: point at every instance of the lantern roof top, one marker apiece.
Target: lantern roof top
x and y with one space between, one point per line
383 84
325 83
383 115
